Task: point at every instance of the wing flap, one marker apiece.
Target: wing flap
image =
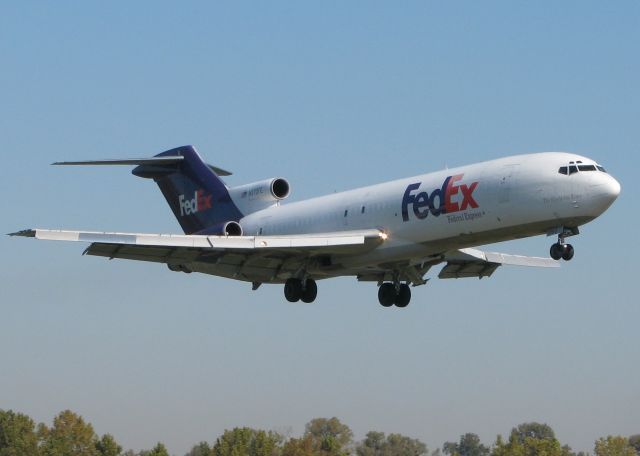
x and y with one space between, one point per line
129 252
468 269
513 260
477 263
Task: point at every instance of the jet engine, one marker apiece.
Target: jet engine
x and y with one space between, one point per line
260 195
230 228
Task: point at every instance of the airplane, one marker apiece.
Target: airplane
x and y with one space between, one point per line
391 233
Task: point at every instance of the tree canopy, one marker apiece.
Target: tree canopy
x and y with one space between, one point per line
614 446
469 445
71 435
246 442
376 444
17 434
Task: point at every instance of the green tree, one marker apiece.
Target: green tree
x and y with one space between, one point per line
247 442
469 445
201 449
107 446
329 434
17 434
529 445
299 447
375 444
634 441
70 435
614 446
158 450
533 430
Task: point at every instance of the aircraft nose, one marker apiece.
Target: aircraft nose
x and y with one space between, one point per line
605 193
604 190
612 189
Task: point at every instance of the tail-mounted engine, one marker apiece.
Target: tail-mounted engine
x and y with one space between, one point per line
259 195
230 228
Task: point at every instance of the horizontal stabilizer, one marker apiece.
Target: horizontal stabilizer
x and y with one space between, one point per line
127 161
159 161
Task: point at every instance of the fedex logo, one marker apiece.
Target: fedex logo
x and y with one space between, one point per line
198 203
445 200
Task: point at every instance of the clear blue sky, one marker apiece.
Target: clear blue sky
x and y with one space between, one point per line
332 95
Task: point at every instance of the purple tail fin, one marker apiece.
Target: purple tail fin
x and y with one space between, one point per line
198 198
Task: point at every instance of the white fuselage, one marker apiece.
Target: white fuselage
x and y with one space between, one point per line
508 198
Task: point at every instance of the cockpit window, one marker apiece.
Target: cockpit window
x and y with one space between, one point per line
575 166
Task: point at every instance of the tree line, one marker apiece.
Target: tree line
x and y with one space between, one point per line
71 435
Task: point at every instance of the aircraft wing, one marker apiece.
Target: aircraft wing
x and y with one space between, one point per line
334 241
274 258
251 258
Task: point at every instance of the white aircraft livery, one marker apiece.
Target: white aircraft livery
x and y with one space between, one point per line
391 233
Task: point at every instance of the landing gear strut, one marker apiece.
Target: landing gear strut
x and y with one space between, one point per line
390 294
296 290
560 250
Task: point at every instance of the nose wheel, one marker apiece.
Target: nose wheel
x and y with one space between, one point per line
563 251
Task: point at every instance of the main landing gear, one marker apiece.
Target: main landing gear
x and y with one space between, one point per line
398 294
300 290
560 250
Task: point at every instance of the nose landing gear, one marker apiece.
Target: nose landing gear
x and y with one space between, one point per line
560 250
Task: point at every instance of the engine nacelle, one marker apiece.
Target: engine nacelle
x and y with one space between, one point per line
259 195
267 190
230 228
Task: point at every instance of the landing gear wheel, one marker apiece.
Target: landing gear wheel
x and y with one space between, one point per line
556 251
387 294
310 291
404 296
293 290
568 252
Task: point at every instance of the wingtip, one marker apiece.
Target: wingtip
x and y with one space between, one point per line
24 233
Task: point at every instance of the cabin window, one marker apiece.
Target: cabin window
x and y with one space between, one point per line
586 167
601 168
573 169
346 212
563 170
362 210
260 232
